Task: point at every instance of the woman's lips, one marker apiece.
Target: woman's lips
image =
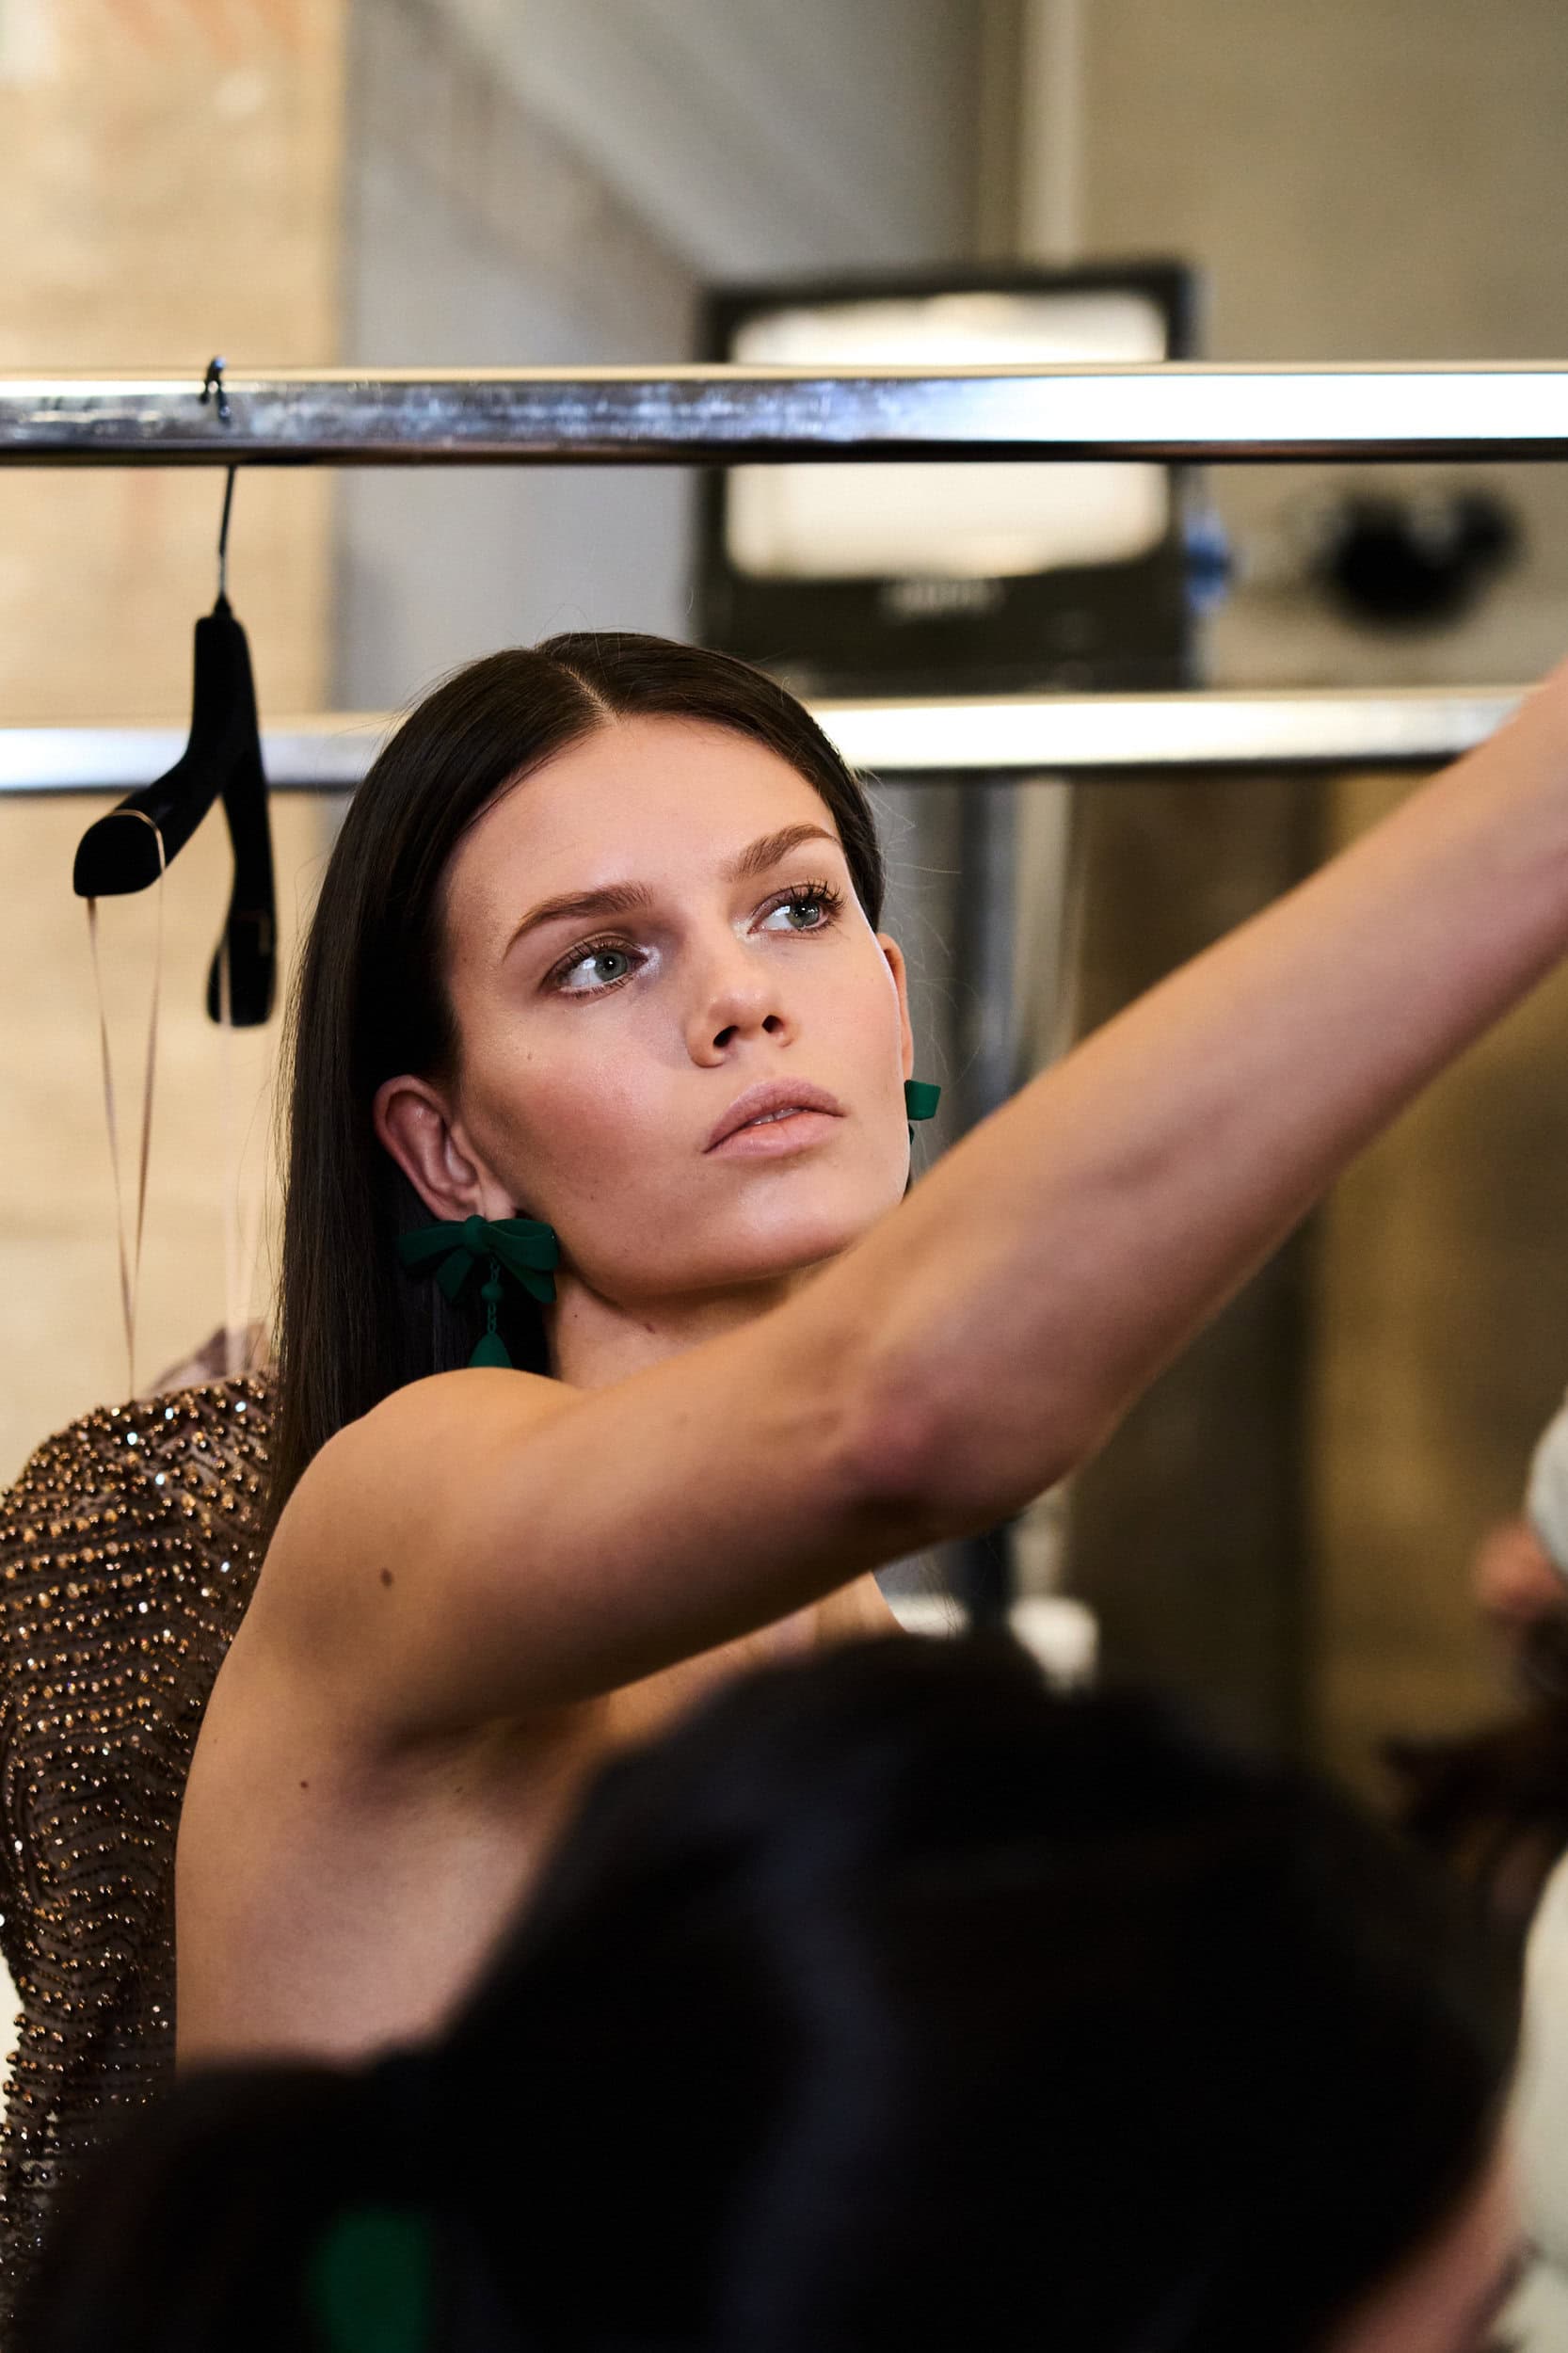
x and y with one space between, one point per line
778 1133
777 1116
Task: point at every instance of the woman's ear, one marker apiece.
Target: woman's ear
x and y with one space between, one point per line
414 1125
900 972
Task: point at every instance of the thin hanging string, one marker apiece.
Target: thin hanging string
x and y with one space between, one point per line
241 1224
130 1247
242 1218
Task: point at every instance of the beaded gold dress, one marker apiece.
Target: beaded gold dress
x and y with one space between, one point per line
127 1554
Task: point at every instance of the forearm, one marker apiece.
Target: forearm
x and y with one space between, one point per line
1034 1284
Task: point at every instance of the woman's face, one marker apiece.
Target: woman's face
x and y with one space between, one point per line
642 935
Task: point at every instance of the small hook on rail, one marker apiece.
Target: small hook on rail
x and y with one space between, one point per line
212 382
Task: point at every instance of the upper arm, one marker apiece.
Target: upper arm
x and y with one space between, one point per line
485 1542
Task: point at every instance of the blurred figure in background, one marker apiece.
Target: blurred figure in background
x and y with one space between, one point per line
1532 1589
1493 1804
888 2002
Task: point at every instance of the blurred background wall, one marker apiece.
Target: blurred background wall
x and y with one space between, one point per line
170 187
559 182
1287 1523
300 181
1283 1528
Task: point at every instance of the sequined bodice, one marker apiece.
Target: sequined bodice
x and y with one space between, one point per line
127 1556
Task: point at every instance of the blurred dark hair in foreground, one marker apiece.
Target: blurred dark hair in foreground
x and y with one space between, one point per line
890 2002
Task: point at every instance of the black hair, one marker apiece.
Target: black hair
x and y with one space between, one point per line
370 996
890 2003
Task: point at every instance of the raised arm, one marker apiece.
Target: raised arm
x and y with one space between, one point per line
496 1542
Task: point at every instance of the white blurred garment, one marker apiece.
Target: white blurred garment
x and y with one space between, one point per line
1538 2321
1547 1490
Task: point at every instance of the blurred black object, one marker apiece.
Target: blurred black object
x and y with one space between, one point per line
129 849
1413 562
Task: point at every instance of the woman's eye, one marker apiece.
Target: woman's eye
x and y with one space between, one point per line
803 911
595 968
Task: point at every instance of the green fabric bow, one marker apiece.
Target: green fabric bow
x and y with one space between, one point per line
455 1249
454 1252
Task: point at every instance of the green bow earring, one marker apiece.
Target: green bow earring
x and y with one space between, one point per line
454 1249
920 1098
370 2281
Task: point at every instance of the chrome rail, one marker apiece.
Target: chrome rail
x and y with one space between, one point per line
1077 735
1172 412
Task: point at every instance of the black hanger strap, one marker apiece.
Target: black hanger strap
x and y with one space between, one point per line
223 536
128 849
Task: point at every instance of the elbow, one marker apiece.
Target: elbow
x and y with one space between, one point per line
949 1456
890 1457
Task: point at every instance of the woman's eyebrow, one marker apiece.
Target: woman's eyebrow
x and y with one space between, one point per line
584 906
760 855
631 898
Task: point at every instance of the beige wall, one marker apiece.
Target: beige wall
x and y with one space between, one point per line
167 182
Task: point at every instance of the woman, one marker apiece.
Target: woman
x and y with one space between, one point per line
597 948
888 2004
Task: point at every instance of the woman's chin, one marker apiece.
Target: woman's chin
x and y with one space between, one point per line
772 1242
755 1263
816 1222
795 1250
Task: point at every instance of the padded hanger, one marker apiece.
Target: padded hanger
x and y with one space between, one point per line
222 757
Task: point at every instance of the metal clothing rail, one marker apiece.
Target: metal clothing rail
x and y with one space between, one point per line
722 415
1083 735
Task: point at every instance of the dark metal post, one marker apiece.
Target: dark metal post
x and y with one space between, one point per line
984 949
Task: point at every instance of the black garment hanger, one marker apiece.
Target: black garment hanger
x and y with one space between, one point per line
119 852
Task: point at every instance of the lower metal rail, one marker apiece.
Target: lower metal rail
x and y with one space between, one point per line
1077 735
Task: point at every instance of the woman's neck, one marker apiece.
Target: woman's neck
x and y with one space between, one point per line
595 1341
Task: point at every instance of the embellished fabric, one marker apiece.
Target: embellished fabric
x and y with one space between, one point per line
127 1556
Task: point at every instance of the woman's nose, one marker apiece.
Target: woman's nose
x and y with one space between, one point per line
739 998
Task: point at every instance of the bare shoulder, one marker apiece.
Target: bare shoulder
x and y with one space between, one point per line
409 1451
393 1489
486 1545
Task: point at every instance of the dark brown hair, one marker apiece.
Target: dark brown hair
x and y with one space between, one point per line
370 999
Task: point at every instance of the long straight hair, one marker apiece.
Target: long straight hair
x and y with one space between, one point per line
371 999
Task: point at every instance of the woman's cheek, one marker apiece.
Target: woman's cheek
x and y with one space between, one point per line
587 1131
